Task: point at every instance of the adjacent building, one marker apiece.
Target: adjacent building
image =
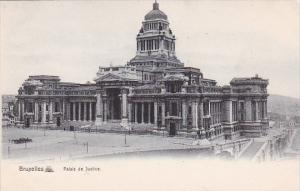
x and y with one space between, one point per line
154 90
8 115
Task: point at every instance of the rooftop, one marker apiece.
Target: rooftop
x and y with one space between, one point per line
156 13
44 77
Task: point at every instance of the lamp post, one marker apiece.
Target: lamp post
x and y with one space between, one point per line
87 146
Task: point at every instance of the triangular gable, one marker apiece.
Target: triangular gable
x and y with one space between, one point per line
110 77
175 78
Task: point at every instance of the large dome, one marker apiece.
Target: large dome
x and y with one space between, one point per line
156 13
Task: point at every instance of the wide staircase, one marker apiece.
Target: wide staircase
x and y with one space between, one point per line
252 150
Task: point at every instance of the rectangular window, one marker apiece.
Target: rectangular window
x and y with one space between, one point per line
174 109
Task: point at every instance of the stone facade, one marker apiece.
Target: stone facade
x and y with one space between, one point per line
153 90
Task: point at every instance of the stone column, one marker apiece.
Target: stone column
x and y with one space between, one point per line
22 111
149 112
50 112
195 114
63 110
124 104
91 103
105 111
163 113
143 110
136 112
239 110
256 110
248 110
266 109
130 112
124 107
19 110
85 111
99 110
209 109
228 110
155 113
74 111
68 111
184 114
36 112
201 114
44 112
79 111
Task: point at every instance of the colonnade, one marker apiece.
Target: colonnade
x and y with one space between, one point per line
81 111
143 112
22 110
256 109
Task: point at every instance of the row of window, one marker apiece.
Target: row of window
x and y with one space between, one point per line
41 92
152 44
155 26
215 112
163 64
148 77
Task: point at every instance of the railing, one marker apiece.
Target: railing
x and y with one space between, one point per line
147 91
66 92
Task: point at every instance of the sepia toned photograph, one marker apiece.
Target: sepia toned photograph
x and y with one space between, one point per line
119 90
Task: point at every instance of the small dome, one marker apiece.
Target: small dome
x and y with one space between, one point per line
156 13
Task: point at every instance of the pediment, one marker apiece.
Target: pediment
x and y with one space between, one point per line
176 77
110 77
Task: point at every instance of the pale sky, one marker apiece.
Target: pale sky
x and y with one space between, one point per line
225 39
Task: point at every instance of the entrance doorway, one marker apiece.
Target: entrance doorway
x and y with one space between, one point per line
27 124
114 104
58 122
172 129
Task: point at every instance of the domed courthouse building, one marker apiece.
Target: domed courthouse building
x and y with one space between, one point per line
154 91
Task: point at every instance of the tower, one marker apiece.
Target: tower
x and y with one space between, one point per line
155 42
